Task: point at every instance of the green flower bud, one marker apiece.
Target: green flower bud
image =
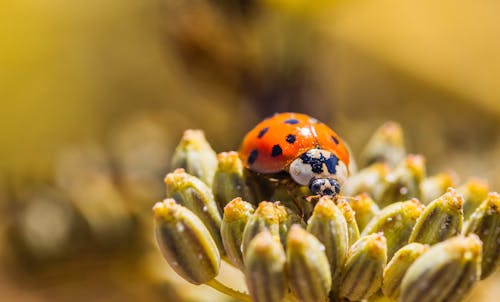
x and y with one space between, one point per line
474 192
350 219
446 272
287 218
195 195
485 222
229 180
328 224
365 209
293 197
397 267
364 268
185 242
441 219
404 182
195 155
436 185
262 188
307 266
265 268
386 145
369 180
266 217
236 215
396 222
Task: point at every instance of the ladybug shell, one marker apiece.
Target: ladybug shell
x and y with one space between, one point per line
275 142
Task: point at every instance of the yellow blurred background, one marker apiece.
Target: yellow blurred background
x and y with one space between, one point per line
95 94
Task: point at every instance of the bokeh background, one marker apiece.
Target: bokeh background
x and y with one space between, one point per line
95 95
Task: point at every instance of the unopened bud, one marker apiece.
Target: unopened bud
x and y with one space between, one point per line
485 222
446 272
404 182
396 222
265 268
441 219
229 180
474 192
194 154
307 266
328 225
350 219
365 208
397 267
195 195
364 267
369 180
265 217
236 215
185 242
386 145
436 185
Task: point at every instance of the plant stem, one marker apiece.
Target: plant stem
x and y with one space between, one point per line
215 284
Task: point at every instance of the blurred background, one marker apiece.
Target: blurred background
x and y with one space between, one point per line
95 95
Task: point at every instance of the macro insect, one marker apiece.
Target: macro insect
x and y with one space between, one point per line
312 153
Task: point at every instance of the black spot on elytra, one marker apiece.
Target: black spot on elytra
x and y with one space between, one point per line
276 151
253 156
290 138
262 132
335 140
291 121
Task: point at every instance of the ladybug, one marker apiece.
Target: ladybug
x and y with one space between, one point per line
311 152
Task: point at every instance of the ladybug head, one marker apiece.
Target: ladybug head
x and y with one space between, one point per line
319 169
324 186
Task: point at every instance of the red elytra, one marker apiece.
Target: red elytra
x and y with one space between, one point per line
275 142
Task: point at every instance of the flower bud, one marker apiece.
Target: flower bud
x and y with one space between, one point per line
436 185
262 188
474 192
229 180
365 209
292 196
328 225
446 272
265 268
350 219
369 180
397 267
195 195
287 218
185 242
396 222
386 145
236 215
485 222
266 217
404 182
441 219
364 268
195 155
307 266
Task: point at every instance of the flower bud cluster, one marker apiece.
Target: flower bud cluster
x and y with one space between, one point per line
393 231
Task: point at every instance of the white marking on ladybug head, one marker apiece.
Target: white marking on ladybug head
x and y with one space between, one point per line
318 164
